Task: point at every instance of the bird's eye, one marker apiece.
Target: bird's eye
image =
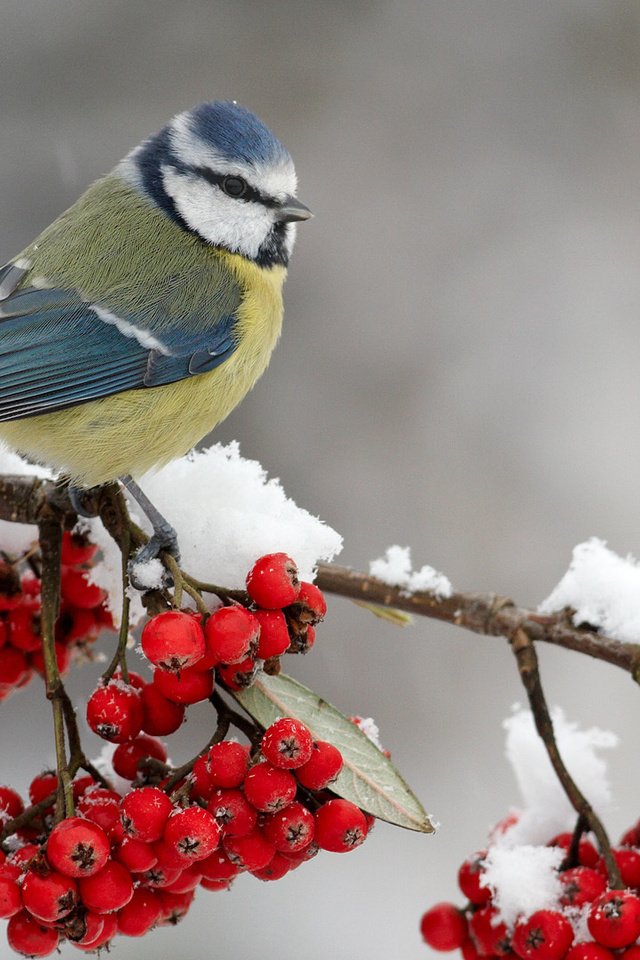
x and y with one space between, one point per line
234 186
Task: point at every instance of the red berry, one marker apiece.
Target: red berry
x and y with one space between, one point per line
193 833
10 900
593 951
340 826
444 927
268 788
233 813
141 913
291 830
101 806
273 582
109 889
310 605
77 591
77 847
114 711
614 919
232 634
24 627
251 852
227 763
322 767
201 785
77 548
274 634
174 906
628 864
107 933
160 716
545 935
128 757
287 743
26 936
581 885
588 856
218 866
144 813
173 640
83 927
189 686
188 880
215 884
238 676
631 837
470 877
490 937
14 667
631 953
48 895
136 855
11 804
277 867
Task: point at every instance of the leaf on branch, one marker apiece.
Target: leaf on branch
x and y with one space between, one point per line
368 778
397 617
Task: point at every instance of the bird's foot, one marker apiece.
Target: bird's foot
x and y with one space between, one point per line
163 540
83 500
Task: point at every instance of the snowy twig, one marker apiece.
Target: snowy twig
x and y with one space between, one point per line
485 613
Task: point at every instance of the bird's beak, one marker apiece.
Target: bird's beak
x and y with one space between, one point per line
292 209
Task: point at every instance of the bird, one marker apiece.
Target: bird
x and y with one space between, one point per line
140 318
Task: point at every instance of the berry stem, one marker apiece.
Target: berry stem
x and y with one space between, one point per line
572 857
527 660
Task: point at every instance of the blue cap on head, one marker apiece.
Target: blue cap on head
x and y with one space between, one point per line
236 133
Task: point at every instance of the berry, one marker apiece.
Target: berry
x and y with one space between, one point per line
114 711
101 806
48 895
77 847
189 686
218 866
581 885
614 919
233 813
587 854
77 548
109 889
444 927
173 640
141 913
322 767
628 864
128 757
631 837
272 582
310 605
78 592
287 743
277 867
193 833
26 936
228 763
291 830
274 634
340 826
490 938
136 855
232 634
144 813
238 676
160 716
10 900
11 804
545 935
470 879
268 788
251 852
593 951
43 786
83 927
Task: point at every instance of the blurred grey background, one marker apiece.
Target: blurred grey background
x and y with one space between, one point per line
458 370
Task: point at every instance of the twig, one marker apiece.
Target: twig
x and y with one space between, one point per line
527 660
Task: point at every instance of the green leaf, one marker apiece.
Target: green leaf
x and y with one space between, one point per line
368 778
397 617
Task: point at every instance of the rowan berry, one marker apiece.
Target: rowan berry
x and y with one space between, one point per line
238 676
160 876
291 830
10 900
588 856
76 548
269 788
215 884
593 951
232 811
277 867
114 711
109 889
310 605
141 913
24 627
192 832
470 877
631 953
631 837
322 768
160 716
47 894
581 885
228 763
14 667
614 919
232 634
287 743
251 852
201 785
175 906
28 937
340 826
218 866
136 855
628 861
129 757
274 636
109 930
444 927
83 927
11 804
144 813
173 640
189 686
489 934
272 582
77 847
76 589
101 806
545 935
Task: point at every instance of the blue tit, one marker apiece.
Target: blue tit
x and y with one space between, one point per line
143 315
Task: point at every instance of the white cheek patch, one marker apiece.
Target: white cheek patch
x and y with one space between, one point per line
238 225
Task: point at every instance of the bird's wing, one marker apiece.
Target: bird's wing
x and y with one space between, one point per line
58 348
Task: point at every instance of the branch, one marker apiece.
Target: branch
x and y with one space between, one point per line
485 613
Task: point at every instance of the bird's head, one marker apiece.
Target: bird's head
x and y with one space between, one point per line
220 173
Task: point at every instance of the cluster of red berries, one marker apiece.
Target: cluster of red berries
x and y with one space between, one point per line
123 865
589 922
83 615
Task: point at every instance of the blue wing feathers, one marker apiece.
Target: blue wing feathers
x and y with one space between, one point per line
56 351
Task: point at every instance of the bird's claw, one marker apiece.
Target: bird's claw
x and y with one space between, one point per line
163 540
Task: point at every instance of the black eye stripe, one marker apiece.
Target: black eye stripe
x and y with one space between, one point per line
218 179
